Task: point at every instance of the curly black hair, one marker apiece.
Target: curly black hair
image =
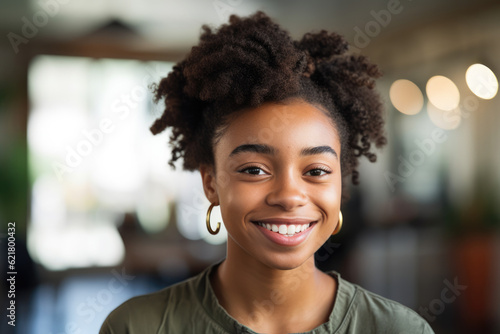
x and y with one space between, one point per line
251 61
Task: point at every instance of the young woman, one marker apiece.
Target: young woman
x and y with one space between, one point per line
274 126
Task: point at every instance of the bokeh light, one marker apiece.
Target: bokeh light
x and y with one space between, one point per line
442 92
406 97
482 81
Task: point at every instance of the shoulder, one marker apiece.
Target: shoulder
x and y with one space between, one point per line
148 313
368 312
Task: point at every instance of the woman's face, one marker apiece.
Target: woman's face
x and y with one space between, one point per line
278 182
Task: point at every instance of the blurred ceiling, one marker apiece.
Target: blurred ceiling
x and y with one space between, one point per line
396 34
176 24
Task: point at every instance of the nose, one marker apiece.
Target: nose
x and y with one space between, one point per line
287 191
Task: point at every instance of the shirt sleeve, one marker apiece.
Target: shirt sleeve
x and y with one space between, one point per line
106 328
427 329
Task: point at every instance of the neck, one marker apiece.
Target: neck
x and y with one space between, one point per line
260 297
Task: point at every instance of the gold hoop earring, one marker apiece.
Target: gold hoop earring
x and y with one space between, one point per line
209 228
339 225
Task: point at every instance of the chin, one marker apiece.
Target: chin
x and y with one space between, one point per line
286 261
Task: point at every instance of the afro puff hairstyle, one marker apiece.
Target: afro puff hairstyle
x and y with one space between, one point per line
251 61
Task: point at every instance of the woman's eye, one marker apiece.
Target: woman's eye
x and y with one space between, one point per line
252 170
318 172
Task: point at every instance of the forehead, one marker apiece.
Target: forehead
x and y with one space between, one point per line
290 126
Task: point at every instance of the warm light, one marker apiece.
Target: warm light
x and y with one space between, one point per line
482 81
445 119
406 97
442 93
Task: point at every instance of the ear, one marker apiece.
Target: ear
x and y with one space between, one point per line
208 179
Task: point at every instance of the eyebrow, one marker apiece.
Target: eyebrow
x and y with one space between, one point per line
318 150
255 148
266 149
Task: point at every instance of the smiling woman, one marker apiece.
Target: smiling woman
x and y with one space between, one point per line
273 126
290 180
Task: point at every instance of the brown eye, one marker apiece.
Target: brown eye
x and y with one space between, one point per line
318 172
253 170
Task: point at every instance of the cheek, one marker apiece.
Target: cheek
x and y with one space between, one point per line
328 199
238 199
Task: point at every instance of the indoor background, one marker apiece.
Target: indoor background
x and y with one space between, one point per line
99 216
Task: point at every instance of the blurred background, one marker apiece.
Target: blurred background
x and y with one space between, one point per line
101 217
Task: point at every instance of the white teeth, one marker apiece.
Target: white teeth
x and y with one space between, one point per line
283 229
288 230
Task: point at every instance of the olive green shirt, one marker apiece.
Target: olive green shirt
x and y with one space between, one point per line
192 307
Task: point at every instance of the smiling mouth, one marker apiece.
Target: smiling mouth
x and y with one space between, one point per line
288 230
